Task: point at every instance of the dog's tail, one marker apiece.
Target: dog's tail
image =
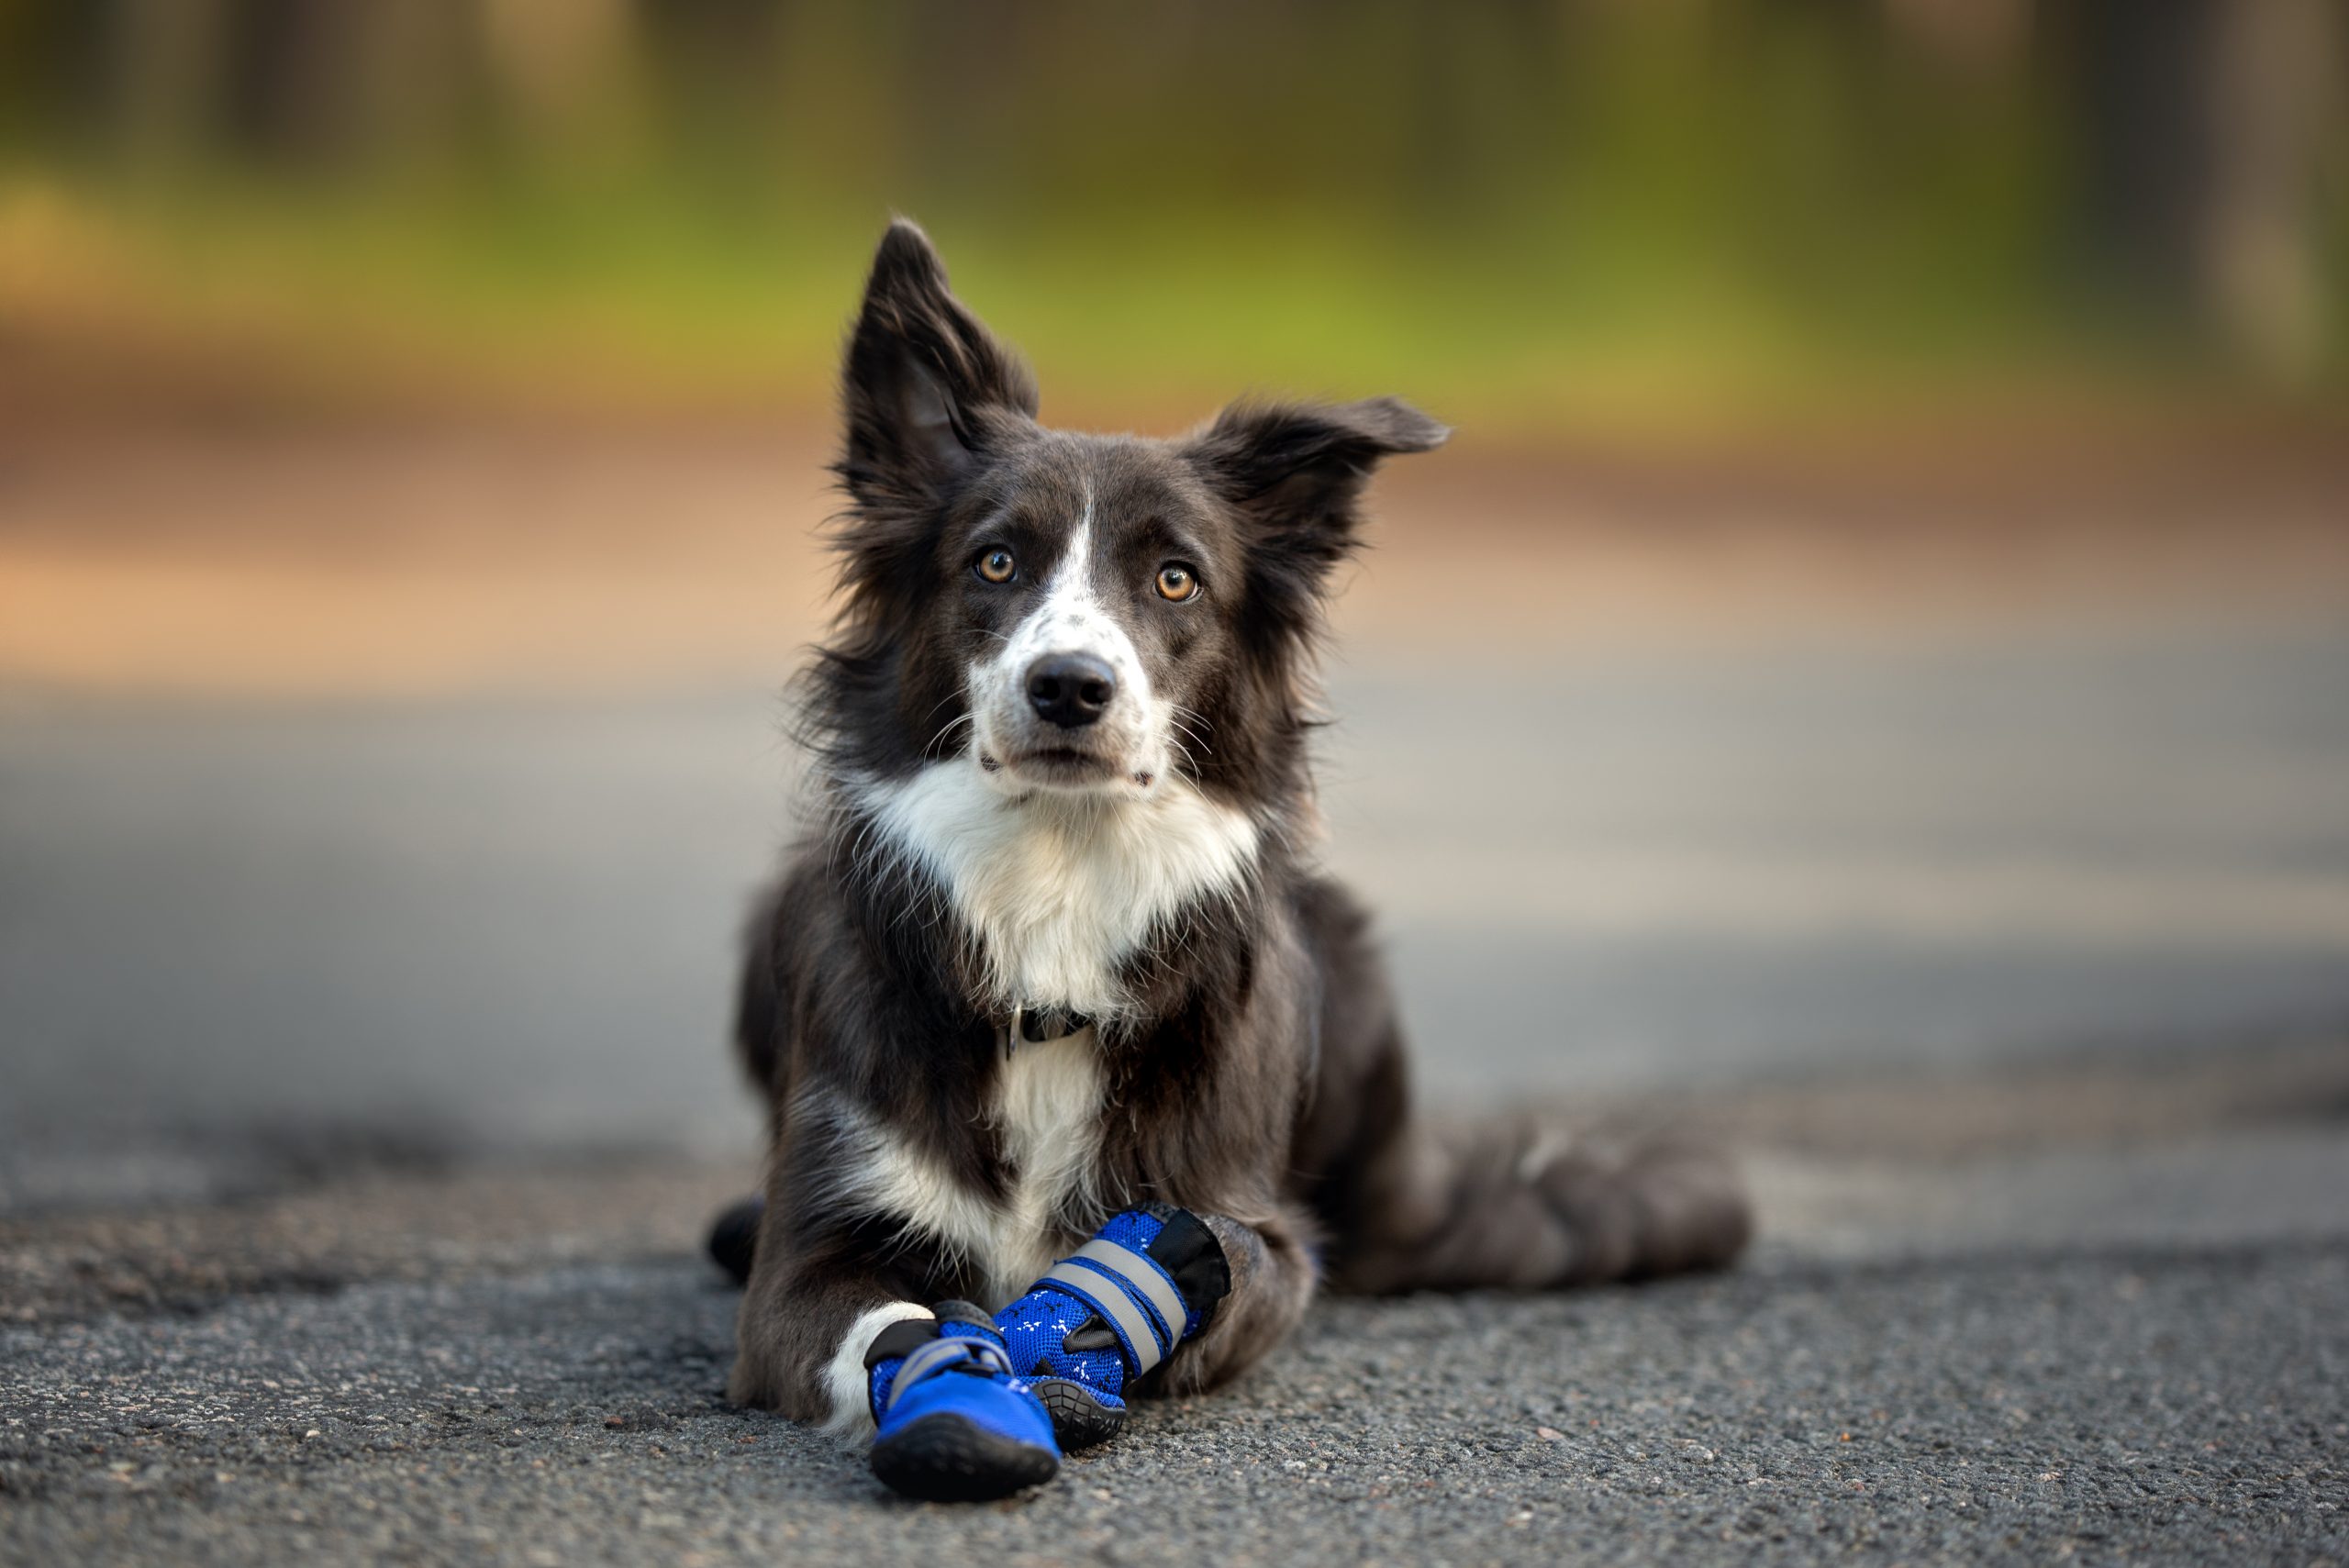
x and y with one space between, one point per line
1517 1205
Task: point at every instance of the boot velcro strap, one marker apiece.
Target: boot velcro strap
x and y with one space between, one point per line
899 1339
942 1353
1102 1274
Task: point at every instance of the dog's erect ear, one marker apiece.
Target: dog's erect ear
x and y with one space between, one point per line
927 390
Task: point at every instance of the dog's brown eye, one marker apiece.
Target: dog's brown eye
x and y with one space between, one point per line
996 566
1176 582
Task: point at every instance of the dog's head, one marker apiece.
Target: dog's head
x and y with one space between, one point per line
1074 613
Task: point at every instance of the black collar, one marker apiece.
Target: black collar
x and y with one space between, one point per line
1038 1025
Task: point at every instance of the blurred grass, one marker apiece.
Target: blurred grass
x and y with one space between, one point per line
1526 219
649 300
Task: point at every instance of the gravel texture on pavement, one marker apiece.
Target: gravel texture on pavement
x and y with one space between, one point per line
2183 1404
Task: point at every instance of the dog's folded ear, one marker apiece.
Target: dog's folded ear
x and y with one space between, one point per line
1296 473
927 388
1305 464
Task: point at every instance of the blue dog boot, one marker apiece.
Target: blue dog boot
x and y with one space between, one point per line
1111 1312
954 1425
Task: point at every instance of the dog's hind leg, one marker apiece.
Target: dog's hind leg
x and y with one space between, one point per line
1508 1203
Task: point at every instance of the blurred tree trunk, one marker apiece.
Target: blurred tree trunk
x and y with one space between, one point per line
327 82
159 89
1981 35
718 59
2203 125
2274 80
557 65
291 71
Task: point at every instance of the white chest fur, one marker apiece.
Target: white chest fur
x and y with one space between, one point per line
1046 1114
1047 1111
1058 889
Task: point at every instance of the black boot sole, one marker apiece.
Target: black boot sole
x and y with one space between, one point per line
948 1458
1079 1420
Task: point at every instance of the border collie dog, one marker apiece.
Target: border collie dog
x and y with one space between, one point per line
1081 1075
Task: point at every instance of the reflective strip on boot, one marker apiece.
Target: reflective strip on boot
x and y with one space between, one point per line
1142 1272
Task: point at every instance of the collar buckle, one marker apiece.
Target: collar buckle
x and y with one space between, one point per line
1028 1025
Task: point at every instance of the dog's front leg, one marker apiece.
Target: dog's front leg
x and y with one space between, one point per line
812 1308
1271 1284
1178 1297
826 1278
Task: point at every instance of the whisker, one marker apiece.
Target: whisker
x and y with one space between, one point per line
949 729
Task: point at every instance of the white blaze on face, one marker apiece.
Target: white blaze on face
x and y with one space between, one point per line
1071 619
1059 882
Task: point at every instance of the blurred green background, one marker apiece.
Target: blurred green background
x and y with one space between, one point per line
1586 212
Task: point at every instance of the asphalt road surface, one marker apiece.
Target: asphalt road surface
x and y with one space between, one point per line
2127 1347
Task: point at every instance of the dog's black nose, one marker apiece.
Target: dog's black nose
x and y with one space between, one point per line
1070 689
